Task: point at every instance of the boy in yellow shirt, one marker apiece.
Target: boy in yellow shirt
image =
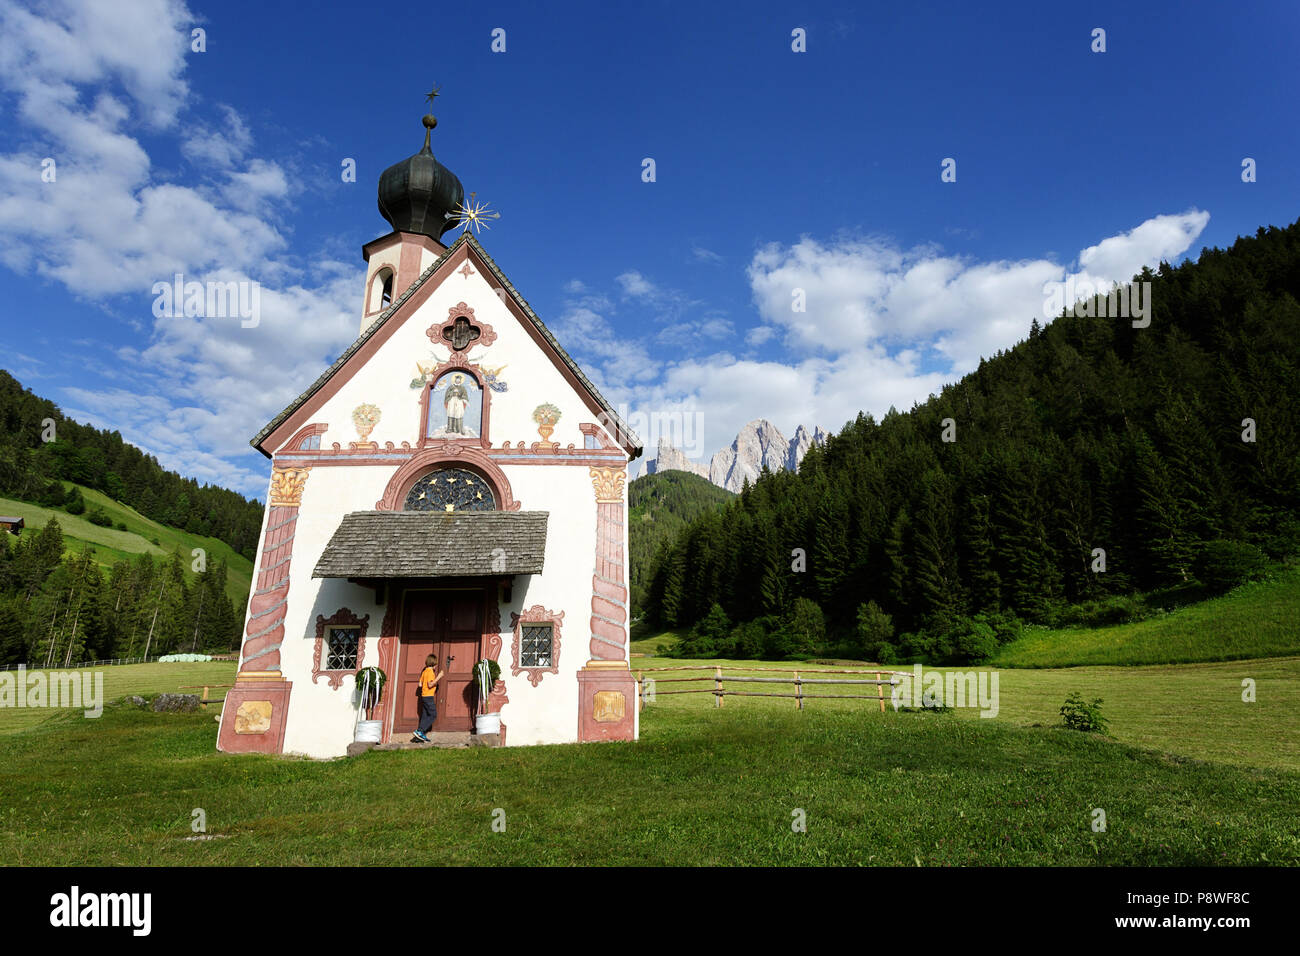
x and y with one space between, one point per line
428 706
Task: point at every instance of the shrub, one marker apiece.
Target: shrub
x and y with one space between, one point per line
1006 626
120 526
714 625
749 639
1079 714
806 627
710 637
953 639
97 517
1222 565
971 640
1119 609
875 631
76 506
1282 539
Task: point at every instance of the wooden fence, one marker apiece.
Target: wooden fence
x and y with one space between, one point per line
207 698
648 688
108 663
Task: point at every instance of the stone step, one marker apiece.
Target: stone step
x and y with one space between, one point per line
436 739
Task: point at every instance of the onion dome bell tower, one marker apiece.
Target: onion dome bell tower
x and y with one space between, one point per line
421 199
418 194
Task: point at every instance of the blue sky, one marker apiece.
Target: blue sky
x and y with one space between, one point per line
775 171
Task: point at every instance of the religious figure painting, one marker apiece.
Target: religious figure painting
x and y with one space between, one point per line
455 406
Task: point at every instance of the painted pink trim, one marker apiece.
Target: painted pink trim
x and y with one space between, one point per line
388 647
536 615
546 448
440 453
267 606
316 428
377 279
460 364
342 617
609 586
595 431
520 455
492 651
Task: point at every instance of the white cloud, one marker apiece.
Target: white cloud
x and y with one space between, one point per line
110 226
883 327
223 146
141 45
867 291
636 285
1160 238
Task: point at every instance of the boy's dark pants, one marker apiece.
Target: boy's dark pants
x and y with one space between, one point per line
428 711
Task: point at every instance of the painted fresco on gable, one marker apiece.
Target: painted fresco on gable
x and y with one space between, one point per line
491 376
455 406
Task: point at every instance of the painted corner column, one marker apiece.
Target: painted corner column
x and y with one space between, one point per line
606 688
255 710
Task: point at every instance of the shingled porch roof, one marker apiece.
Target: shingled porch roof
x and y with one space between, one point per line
427 544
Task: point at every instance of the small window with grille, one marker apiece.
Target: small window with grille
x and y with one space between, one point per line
341 648
535 646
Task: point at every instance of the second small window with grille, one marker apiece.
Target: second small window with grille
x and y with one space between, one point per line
535 646
341 648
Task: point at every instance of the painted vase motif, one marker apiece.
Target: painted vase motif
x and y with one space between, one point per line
365 417
546 417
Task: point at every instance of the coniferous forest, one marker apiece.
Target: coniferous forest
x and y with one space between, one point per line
1096 473
58 609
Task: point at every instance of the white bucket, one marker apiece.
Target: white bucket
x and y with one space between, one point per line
368 731
488 723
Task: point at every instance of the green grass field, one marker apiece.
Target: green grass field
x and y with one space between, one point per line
132 679
1192 777
1255 620
111 545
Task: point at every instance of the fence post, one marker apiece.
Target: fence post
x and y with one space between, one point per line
880 689
717 686
798 691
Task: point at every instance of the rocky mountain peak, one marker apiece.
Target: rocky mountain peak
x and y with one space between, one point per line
759 444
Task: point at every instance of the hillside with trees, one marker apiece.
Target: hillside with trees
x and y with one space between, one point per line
32 468
126 582
58 609
1097 473
660 506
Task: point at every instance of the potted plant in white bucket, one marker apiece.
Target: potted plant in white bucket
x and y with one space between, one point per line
370 687
486 675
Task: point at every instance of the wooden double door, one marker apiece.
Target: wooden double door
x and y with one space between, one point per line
449 625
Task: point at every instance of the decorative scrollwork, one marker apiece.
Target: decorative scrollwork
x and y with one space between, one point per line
341 642
451 489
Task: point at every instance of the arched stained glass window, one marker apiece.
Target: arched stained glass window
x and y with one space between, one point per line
451 489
